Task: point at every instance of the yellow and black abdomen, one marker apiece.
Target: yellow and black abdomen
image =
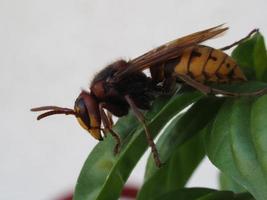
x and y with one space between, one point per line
205 64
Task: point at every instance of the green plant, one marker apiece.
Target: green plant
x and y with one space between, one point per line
232 132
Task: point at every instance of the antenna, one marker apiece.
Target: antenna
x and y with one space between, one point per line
53 110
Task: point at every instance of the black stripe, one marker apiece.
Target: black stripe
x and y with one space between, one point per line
231 74
216 72
192 55
205 64
170 66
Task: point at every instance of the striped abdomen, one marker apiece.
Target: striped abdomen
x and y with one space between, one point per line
203 64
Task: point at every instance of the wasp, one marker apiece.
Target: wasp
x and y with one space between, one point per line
123 85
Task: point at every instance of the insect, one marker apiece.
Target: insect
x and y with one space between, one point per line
123 85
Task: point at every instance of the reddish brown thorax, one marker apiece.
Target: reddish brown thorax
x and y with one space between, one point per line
98 89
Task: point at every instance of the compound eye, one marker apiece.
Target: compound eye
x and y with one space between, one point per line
82 113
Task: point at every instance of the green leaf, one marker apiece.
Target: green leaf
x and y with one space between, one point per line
226 195
180 159
202 194
218 195
100 161
103 175
252 58
227 183
236 143
185 194
244 196
175 172
183 128
244 87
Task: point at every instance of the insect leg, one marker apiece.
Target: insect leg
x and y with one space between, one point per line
240 41
169 85
141 118
110 118
157 73
108 126
210 90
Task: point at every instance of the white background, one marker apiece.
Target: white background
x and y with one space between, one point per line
51 49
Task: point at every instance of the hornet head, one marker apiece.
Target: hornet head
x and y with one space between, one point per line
85 110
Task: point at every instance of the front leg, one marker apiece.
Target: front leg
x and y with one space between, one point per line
107 123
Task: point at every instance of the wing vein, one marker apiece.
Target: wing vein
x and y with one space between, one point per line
168 51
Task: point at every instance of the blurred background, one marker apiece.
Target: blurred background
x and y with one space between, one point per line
51 49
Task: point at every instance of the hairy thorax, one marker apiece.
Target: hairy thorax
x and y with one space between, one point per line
137 85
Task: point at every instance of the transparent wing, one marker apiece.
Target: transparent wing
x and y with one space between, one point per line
167 51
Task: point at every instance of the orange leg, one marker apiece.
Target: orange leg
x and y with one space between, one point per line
108 127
